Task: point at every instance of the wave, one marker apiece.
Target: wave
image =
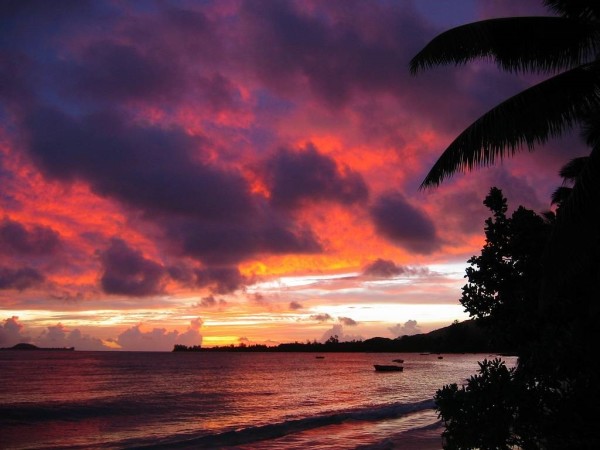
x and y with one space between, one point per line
257 433
109 406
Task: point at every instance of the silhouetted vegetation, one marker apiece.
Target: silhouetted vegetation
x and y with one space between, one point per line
504 280
471 336
185 348
543 296
550 400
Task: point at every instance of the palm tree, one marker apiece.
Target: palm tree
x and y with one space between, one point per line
569 173
565 47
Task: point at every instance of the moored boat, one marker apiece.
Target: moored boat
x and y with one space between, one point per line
387 368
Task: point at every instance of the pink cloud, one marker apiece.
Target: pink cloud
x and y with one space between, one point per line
58 336
159 339
11 332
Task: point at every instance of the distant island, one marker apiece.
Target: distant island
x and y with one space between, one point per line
470 336
26 346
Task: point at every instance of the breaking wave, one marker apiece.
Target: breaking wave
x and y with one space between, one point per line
253 434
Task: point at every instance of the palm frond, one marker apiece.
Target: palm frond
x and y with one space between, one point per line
583 9
571 170
529 118
516 44
560 194
590 129
575 241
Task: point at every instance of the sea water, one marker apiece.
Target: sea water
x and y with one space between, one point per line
101 400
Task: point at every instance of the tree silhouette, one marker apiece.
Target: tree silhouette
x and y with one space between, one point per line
504 280
551 399
569 173
564 47
556 385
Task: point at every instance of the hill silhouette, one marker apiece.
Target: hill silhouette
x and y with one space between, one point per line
470 336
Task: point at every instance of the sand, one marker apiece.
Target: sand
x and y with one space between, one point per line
425 438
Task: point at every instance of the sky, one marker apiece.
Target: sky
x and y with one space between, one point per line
226 172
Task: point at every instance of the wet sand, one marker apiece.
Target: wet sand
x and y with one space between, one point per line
425 438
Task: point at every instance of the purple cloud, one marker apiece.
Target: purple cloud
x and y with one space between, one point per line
226 243
112 71
15 238
221 280
20 279
336 56
211 302
128 272
297 176
383 268
144 167
323 317
403 224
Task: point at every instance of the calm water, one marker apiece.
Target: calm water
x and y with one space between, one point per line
216 400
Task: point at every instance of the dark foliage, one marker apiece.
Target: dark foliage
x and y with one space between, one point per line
504 280
464 337
550 399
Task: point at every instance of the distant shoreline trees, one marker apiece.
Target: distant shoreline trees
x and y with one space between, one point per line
461 337
186 348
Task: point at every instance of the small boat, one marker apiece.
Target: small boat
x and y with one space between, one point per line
398 360
320 357
385 368
440 357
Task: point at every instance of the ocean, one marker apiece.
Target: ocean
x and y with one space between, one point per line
117 400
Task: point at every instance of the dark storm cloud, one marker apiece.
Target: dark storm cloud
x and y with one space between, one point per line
208 212
341 51
182 273
403 224
383 268
20 279
128 272
115 71
15 78
218 93
143 166
334 49
182 35
221 280
223 243
15 238
15 9
307 175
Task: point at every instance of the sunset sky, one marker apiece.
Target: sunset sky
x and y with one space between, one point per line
221 172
